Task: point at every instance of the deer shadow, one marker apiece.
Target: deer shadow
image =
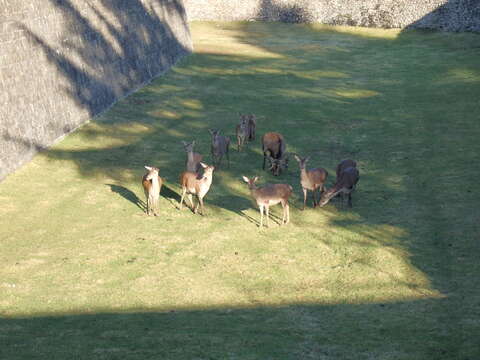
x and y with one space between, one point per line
128 195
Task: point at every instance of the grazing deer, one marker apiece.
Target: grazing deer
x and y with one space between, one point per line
152 183
273 146
220 147
242 132
312 180
270 194
345 164
195 184
251 121
346 181
192 163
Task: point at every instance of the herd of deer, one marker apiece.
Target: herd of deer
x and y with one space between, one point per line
197 178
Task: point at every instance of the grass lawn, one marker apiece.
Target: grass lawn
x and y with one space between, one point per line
85 274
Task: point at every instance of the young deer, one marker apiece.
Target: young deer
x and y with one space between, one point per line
152 184
312 180
242 132
347 179
251 121
270 194
192 163
273 146
220 147
195 184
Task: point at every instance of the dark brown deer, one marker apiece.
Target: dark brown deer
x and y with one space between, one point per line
220 147
347 179
152 184
270 194
192 163
273 146
313 180
195 184
345 164
242 132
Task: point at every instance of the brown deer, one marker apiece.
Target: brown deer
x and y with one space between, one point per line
242 132
220 147
347 179
270 194
152 184
192 163
251 121
273 146
195 184
313 180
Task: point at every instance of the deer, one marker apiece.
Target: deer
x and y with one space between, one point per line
192 163
347 179
242 132
270 194
313 180
152 184
273 146
220 147
345 164
251 121
194 184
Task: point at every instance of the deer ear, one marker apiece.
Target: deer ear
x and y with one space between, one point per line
255 179
307 158
204 165
297 158
245 179
193 142
149 168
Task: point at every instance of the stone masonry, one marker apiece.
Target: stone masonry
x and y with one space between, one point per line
64 61
448 15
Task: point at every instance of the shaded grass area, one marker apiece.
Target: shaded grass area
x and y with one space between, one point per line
85 272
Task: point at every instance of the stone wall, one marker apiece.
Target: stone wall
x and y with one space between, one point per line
449 15
64 61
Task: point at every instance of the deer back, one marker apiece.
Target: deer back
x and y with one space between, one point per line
272 193
344 164
274 143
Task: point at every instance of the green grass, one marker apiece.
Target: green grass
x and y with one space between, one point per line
85 274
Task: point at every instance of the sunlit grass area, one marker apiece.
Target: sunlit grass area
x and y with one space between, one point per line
84 273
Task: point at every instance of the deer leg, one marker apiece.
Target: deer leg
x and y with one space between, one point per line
304 197
267 211
200 201
184 190
148 206
261 216
190 198
350 199
264 158
287 210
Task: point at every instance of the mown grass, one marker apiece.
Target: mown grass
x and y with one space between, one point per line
86 274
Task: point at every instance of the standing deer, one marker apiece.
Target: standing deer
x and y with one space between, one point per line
220 147
347 179
152 184
192 163
273 146
312 180
242 132
270 194
251 121
195 184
